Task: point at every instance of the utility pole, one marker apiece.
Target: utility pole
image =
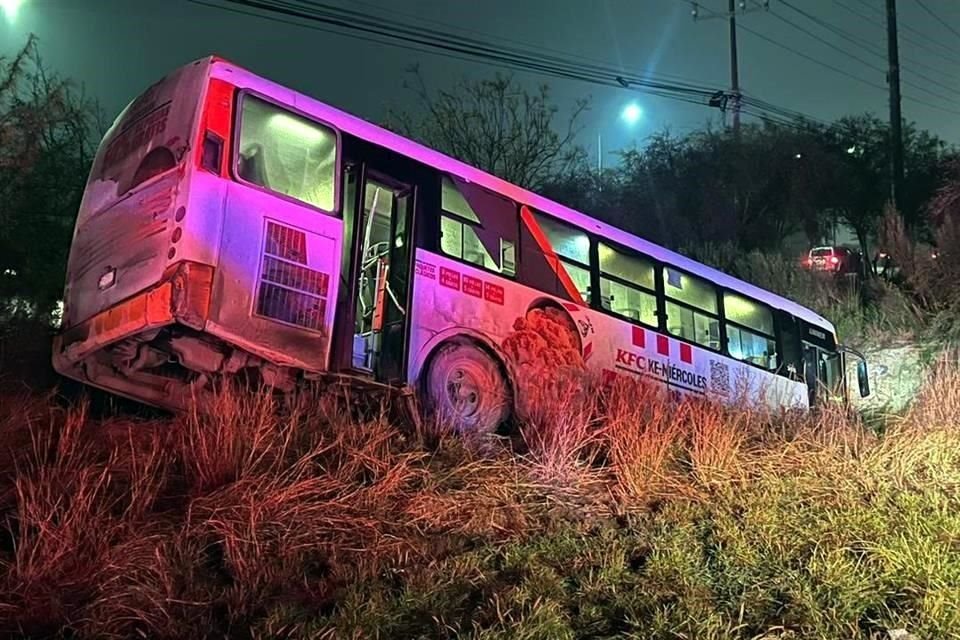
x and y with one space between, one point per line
893 79
720 99
734 68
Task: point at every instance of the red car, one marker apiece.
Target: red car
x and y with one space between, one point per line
836 260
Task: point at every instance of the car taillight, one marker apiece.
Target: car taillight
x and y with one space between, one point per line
834 260
215 124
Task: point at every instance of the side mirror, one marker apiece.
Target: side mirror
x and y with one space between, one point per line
863 378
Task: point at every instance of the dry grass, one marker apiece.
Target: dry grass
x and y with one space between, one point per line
617 514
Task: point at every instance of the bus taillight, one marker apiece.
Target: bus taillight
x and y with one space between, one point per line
215 127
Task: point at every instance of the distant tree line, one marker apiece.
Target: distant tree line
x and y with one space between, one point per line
754 190
706 187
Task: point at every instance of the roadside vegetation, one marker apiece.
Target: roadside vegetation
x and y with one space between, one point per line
610 514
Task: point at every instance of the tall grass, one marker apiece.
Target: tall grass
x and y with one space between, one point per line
614 514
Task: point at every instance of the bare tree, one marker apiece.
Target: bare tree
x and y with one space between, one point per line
47 140
495 125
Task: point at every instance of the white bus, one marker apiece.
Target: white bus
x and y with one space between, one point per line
233 226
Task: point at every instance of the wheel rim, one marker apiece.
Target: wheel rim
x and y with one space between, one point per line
463 392
466 390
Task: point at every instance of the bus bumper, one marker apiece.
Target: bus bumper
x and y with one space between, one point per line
182 296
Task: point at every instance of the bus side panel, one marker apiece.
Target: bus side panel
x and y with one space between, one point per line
278 266
289 325
623 348
451 298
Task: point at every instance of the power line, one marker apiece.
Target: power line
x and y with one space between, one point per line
861 60
811 58
421 47
864 43
839 70
938 18
414 37
827 42
354 21
918 32
816 61
922 44
593 67
550 50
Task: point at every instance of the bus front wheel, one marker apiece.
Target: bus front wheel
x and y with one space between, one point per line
465 389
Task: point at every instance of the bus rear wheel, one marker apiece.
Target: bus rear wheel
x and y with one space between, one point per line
465 389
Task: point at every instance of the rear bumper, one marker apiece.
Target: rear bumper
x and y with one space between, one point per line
182 296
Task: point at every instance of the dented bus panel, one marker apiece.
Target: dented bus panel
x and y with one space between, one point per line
180 269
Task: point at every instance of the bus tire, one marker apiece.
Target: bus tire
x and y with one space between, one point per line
465 389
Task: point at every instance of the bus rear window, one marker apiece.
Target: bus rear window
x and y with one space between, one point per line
148 138
287 153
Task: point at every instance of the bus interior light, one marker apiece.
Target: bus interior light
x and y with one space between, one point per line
293 126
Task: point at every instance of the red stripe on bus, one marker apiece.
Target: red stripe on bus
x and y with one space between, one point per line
686 353
639 337
218 107
216 118
587 351
552 259
663 345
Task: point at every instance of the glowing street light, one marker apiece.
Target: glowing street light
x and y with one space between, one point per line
632 113
10 9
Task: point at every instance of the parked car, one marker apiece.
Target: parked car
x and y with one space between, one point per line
834 260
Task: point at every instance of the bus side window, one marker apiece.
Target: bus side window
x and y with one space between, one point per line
287 153
556 256
478 227
691 305
628 285
750 334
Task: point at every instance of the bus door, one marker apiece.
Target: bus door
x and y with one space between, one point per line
823 372
383 223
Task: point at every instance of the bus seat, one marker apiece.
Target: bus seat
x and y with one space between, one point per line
251 166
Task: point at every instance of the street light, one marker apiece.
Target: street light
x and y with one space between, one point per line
10 8
632 113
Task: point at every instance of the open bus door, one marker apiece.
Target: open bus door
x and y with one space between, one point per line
379 273
823 364
825 372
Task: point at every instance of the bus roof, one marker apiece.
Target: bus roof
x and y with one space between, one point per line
360 128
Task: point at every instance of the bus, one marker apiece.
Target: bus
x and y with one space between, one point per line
231 226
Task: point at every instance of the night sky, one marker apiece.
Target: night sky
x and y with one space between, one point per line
118 47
